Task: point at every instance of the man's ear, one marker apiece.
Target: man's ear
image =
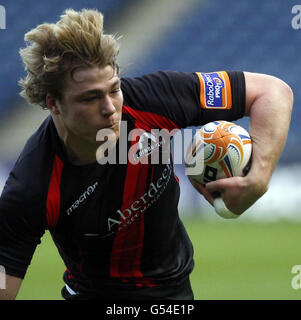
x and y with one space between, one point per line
52 104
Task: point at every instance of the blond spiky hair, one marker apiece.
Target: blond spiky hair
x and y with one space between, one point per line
54 49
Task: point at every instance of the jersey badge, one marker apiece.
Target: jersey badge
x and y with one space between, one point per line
215 90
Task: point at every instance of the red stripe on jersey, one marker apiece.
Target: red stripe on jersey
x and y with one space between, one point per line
128 243
127 248
148 120
53 197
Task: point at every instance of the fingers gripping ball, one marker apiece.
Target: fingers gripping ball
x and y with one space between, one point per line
225 150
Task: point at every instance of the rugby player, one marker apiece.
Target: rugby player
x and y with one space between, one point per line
116 226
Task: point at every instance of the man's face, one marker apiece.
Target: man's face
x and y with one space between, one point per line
92 100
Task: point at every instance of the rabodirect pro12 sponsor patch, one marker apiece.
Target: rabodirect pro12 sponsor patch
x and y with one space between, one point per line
215 90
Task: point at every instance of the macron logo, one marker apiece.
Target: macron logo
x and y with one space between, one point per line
82 198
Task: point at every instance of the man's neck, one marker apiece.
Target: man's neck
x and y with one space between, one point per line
77 151
79 155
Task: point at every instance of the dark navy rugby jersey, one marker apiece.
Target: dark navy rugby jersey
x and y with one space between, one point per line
115 225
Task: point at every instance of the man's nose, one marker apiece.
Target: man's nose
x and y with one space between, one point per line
107 107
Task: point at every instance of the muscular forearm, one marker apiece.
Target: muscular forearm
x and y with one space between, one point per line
270 115
269 104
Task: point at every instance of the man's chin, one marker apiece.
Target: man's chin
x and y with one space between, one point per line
107 136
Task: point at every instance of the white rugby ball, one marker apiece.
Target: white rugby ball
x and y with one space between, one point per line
220 149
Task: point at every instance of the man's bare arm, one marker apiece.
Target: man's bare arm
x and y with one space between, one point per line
269 104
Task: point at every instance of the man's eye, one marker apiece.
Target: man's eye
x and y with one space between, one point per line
89 99
115 90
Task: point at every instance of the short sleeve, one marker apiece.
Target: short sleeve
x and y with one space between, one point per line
222 95
187 99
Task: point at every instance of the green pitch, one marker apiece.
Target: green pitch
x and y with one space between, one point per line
233 260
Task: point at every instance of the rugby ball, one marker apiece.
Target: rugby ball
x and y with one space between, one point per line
220 149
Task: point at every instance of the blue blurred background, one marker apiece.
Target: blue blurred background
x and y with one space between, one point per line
190 35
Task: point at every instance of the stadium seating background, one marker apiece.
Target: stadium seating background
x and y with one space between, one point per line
253 36
23 15
217 35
